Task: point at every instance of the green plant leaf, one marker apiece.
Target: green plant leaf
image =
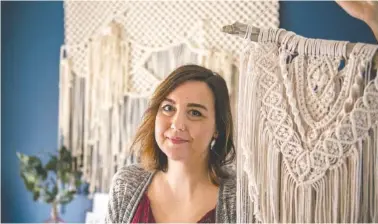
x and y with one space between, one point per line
28 184
48 198
55 190
22 157
34 161
34 175
67 197
51 195
36 194
78 183
65 155
52 164
64 176
42 173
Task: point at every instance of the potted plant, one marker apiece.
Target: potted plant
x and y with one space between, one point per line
55 183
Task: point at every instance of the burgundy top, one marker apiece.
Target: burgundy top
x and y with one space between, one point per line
144 214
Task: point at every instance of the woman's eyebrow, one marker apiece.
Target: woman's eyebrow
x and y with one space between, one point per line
169 100
189 104
197 105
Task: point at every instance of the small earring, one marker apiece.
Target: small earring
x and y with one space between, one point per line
212 144
212 147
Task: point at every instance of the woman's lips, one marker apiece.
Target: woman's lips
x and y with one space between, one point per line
177 140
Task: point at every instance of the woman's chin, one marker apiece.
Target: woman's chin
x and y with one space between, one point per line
176 154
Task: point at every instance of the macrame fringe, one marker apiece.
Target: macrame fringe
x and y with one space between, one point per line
272 186
65 87
248 135
97 116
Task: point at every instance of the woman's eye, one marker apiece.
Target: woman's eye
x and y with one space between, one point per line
167 108
195 113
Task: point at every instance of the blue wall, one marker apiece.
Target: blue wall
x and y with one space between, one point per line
32 33
323 19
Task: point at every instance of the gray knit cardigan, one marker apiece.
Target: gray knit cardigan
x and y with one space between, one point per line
130 183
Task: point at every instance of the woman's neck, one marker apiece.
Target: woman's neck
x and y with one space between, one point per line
186 179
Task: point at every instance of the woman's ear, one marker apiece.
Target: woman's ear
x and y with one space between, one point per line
215 134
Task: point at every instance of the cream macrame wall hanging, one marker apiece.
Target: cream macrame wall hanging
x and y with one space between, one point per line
307 135
117 52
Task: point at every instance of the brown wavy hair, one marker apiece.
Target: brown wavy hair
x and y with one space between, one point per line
145 145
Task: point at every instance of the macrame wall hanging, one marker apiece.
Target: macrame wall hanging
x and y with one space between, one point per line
307 135
117 52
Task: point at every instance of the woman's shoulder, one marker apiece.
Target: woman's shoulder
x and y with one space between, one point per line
227 197
130 174
230 179
228 184
127 187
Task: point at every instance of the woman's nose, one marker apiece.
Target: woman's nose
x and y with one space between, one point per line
178 122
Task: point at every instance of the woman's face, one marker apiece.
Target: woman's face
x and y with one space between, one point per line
185 122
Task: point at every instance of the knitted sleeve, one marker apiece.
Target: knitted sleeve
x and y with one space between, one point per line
126 187
116 196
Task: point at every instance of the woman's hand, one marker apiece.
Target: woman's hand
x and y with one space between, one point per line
366 11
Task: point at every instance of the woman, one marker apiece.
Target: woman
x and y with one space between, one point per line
184 142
